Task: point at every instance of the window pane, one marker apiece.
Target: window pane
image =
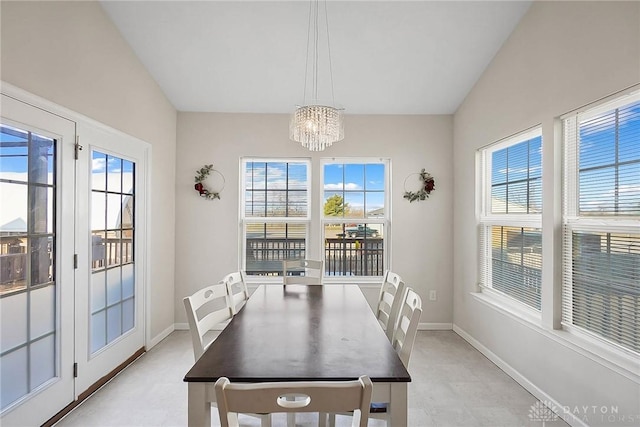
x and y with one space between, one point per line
499 166
41 260
354 177
98 171
517 263
354 204
374 202
516 176
597 141
114 174
276 189
354 249
605 288
267 244
597 191
374 173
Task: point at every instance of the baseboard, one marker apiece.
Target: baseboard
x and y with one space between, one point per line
185 327
162 335
521 379
435 326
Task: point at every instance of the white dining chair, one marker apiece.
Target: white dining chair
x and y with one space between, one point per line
404 336
389 301
237 289
277 397
215 301
302 272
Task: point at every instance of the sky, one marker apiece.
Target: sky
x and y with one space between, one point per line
602 163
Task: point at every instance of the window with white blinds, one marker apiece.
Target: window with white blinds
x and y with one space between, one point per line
601 222
510 220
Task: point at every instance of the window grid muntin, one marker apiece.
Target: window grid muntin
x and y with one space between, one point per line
117 262
607 222
33 155
365 243
530 219
250 217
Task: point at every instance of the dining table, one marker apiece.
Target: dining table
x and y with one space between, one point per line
301 333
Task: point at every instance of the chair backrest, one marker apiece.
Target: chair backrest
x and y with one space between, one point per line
237 290
405 332
302 272
390 301
218 310
268 398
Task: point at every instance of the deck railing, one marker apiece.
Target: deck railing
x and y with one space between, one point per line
343 256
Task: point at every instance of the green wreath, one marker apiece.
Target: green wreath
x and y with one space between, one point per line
201 175
428 185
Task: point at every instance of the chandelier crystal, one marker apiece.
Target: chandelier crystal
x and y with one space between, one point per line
314 125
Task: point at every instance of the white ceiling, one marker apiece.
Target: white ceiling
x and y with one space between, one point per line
389 57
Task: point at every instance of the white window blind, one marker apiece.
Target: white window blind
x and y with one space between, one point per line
601 222
510 220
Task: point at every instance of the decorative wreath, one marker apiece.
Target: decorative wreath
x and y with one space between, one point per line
202 175
428 185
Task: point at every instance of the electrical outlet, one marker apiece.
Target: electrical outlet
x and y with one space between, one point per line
433 296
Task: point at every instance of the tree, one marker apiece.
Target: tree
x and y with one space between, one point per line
335 206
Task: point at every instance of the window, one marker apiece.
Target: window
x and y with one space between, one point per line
510 219
274 213
601 222
355 216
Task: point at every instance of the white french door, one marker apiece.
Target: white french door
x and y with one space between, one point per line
110 241
36 263
72 257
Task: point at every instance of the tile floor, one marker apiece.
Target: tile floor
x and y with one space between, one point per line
453 385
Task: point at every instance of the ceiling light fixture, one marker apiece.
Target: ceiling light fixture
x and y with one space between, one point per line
316 126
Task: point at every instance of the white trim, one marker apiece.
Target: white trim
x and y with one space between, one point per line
610 102
617 361
162 335
185 326
520 379
435 326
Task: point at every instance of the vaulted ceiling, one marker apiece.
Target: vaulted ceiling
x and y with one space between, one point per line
388 57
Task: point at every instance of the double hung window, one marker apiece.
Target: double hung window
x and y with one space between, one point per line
510 218
355 216
601 222
274 213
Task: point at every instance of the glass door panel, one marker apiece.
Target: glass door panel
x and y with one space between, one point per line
36 346
112 236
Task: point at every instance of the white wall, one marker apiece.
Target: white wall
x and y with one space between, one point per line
207 231
561 56
71 54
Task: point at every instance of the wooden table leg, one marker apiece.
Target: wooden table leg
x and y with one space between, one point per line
199 407
399 405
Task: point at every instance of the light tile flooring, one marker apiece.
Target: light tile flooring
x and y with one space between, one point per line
453 385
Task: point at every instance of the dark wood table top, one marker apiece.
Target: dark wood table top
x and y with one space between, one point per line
301 333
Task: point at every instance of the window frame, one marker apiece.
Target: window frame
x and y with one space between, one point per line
244 220
385 220
574 221
486 219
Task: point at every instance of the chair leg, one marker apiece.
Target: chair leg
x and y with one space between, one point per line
265 420
332 420
291 419
322 419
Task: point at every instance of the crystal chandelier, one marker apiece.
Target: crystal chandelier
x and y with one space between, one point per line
314 125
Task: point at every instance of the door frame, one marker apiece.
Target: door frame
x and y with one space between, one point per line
93 367
66 113
62 385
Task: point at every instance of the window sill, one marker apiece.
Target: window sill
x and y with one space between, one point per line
619 361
